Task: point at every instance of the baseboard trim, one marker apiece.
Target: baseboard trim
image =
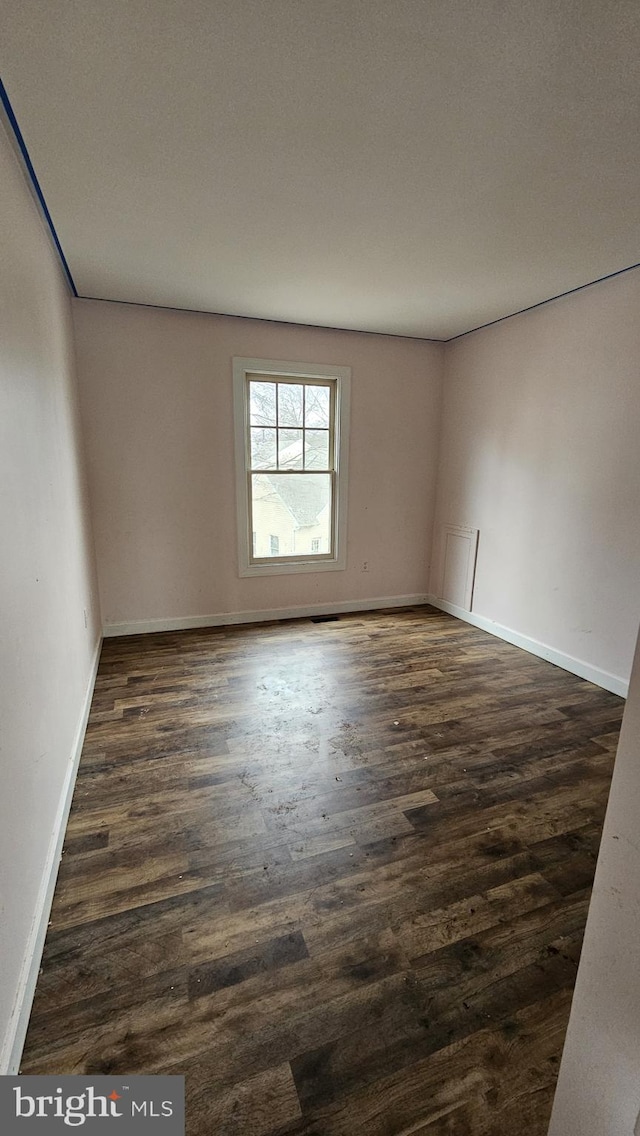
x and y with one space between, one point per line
13 1044
224 619
578 667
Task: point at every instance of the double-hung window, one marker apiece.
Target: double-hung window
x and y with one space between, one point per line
291 428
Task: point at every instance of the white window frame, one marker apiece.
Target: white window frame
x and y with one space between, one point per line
341 376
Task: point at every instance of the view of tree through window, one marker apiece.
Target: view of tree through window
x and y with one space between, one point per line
291 454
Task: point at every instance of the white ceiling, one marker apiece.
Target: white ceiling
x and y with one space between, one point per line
419 167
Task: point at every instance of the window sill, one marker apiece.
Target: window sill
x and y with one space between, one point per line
293 567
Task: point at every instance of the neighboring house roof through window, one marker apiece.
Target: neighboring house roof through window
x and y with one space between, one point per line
304 499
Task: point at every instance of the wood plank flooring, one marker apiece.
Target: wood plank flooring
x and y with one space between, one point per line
336 873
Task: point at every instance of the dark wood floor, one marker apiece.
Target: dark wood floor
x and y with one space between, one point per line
335 873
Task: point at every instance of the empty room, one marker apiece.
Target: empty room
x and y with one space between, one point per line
320 573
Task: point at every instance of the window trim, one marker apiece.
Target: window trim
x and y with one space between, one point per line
341 376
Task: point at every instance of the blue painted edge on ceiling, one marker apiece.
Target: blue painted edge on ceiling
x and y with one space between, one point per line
365 331
13 122
541 303
261 319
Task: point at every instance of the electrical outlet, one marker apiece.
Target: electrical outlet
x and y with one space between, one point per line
365 565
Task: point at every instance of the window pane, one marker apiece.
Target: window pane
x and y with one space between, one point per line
290 449
292 513
263 448
262 403
316 409
316 449
289 404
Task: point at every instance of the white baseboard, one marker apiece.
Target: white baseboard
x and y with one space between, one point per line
13 1044
578 667
185 623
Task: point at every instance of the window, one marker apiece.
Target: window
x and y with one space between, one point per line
291 423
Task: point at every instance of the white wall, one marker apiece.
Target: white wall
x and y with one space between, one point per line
598 1090
540 452
156 400
46 577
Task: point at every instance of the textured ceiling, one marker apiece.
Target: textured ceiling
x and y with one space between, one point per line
400 166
